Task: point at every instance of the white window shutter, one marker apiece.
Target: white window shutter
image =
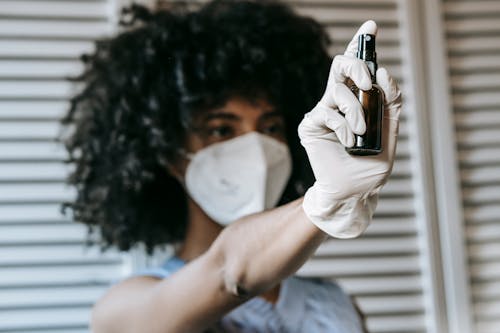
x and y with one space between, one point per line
48 279
473 45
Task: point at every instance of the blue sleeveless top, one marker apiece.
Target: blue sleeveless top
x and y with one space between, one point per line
303 305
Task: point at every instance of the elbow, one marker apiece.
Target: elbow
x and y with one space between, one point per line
235 282
233 267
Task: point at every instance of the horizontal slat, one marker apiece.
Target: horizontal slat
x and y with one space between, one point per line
69 316
36 89
26 109
476 100
49 296
349 16
476 62
31 213
39 68
486 290
395 206
403 130
482 194
403 150
53 29
372 285
61 275
369 247
38 49
487 232
36 192
36 130
414 323
32 151
54 254
470 8
478 137
26 172
478 118
402 169
485 270
484 251
379 305
487 310
397 187
475 81
480 175
471 25
483 213
479 156
361 266
488 326
67 232
52 9
361 4
51 330
472 45
392 226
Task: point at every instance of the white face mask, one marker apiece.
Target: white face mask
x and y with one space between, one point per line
237 177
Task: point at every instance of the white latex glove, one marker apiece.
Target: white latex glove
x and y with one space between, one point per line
344 196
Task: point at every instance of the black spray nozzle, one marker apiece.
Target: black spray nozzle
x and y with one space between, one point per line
366 47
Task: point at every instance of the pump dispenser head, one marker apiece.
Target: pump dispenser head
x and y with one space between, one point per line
366 52
366 47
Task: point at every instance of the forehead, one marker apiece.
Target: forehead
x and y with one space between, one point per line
240 108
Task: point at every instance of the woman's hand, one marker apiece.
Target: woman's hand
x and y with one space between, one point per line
342 200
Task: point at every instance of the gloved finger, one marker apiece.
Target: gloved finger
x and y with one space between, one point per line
369 27
392 93
392 109
334 121
321 121
349 105
344 67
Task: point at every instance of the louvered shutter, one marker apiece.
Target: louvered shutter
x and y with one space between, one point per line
382 269
473 45
48 280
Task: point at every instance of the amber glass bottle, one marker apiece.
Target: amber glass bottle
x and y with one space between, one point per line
372 101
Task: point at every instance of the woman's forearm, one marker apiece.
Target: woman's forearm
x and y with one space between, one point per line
262 249
249 257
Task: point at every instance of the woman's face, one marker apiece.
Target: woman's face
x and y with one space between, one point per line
237 117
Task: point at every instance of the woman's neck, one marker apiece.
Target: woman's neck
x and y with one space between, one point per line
200 234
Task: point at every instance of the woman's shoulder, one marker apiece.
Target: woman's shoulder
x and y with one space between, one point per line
318 286
326 301
169 267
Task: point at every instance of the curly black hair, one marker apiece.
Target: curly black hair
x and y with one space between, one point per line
141 88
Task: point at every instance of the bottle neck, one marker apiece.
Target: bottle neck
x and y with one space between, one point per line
372 67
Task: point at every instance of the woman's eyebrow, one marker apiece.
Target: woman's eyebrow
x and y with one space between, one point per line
220 115
271 114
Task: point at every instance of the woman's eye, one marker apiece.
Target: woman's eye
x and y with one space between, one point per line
220 131
274 129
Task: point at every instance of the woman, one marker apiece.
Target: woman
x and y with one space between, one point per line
186 134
